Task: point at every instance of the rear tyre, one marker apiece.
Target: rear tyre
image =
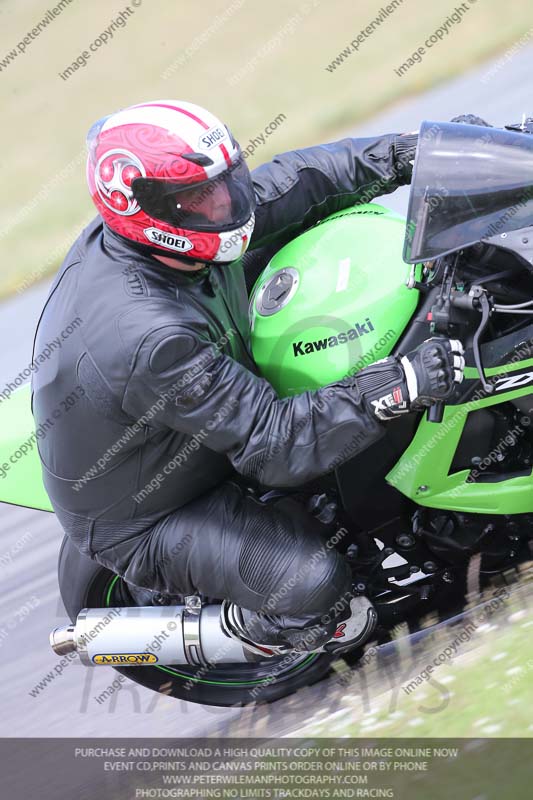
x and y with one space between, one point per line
85 584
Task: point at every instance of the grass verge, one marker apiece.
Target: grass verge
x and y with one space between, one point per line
248 62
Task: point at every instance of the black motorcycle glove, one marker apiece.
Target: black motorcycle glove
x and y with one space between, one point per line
471 119
426 375
404 148
405 144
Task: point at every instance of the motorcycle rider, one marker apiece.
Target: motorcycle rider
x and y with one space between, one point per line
163 375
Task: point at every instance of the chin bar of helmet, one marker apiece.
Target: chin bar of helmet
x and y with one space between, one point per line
191 634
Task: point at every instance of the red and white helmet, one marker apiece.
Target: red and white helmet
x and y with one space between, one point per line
169 175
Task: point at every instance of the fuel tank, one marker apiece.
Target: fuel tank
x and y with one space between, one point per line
333 300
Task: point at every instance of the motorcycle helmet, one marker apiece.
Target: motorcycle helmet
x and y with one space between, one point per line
169 177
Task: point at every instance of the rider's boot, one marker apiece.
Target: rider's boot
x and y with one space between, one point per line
272 634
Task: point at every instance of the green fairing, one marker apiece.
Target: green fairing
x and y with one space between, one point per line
422 472
350 271
22 482
329 299
371 237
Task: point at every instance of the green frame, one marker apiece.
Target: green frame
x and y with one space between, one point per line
422 472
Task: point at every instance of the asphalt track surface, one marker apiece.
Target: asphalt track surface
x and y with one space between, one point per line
30 540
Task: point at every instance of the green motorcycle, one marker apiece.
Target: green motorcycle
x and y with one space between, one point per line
441 492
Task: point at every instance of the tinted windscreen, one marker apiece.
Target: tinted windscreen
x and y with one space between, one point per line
469 183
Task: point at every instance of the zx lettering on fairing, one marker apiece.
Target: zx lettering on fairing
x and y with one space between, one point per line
302 348
513 381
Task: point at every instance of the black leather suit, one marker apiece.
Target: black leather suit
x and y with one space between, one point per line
167 405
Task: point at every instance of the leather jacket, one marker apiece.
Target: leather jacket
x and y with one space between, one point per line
152 395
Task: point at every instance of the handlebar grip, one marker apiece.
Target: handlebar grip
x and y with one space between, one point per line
436 412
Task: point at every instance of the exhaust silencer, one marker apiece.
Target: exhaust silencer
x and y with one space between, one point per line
137 636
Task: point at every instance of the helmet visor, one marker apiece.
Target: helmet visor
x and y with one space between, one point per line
221 203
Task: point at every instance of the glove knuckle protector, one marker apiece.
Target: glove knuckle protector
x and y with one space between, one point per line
397 385
438 364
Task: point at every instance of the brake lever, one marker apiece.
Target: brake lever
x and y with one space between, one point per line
435 412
